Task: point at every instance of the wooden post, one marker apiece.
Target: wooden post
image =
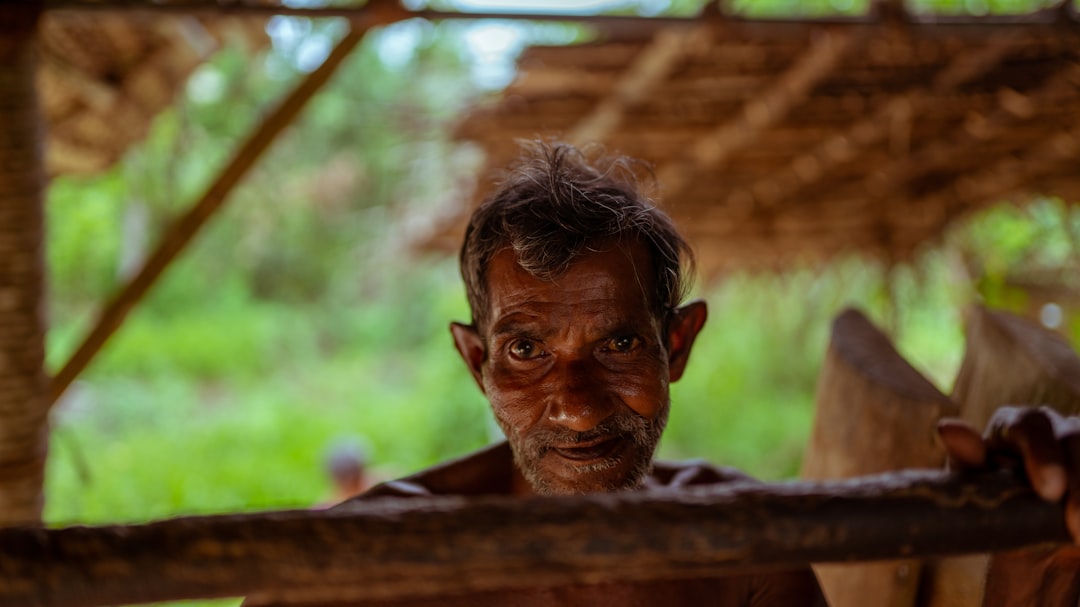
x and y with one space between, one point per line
23 385
875 413
391 548
1012 360
1007 360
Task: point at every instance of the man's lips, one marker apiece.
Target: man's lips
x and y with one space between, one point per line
601 448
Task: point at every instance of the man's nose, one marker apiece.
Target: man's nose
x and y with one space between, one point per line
579 399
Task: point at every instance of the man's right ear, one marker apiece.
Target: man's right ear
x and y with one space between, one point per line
471 348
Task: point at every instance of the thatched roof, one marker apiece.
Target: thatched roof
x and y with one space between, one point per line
775 142
772 141
104 77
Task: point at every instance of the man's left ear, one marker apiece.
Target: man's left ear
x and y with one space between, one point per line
471 347
683 329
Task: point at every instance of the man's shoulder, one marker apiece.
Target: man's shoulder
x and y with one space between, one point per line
484 472
489 472
692 473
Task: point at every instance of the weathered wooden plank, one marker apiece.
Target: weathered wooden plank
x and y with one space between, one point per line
1007 360
1011 360
874 413
387 548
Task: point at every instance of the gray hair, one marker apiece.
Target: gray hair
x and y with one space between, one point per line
556 204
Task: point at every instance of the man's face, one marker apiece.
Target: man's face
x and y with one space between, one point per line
576 370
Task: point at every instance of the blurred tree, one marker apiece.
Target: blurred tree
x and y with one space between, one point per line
1027 259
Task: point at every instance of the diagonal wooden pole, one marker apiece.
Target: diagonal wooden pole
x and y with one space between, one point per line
180 234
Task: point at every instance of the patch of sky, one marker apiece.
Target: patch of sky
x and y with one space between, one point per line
646 8
206 85
286 33
305 3
561 7
301 42
653 8
396 44
492 47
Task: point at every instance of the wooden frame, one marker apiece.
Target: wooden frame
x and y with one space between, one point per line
397 548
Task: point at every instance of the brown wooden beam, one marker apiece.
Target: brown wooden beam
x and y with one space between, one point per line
874 413
395 548
184 228
782 27
217 8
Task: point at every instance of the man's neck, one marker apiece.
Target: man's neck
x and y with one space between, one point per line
519 486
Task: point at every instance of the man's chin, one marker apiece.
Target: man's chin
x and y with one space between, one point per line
558 475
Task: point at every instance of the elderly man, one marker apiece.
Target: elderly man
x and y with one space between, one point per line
576 281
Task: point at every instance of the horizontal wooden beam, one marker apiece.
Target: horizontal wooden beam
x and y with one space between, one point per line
218 8
389 548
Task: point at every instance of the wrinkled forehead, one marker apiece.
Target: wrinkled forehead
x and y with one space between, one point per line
617 275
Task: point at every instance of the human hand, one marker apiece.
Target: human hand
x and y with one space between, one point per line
1044 442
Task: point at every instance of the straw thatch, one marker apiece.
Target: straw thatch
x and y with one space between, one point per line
773 142
778 142
104 77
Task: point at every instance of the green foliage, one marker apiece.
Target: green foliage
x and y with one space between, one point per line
800 8
747 396
1022 259
981 7
229 406
205 425
83 249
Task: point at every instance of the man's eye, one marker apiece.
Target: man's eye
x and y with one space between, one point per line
525 349
623 343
